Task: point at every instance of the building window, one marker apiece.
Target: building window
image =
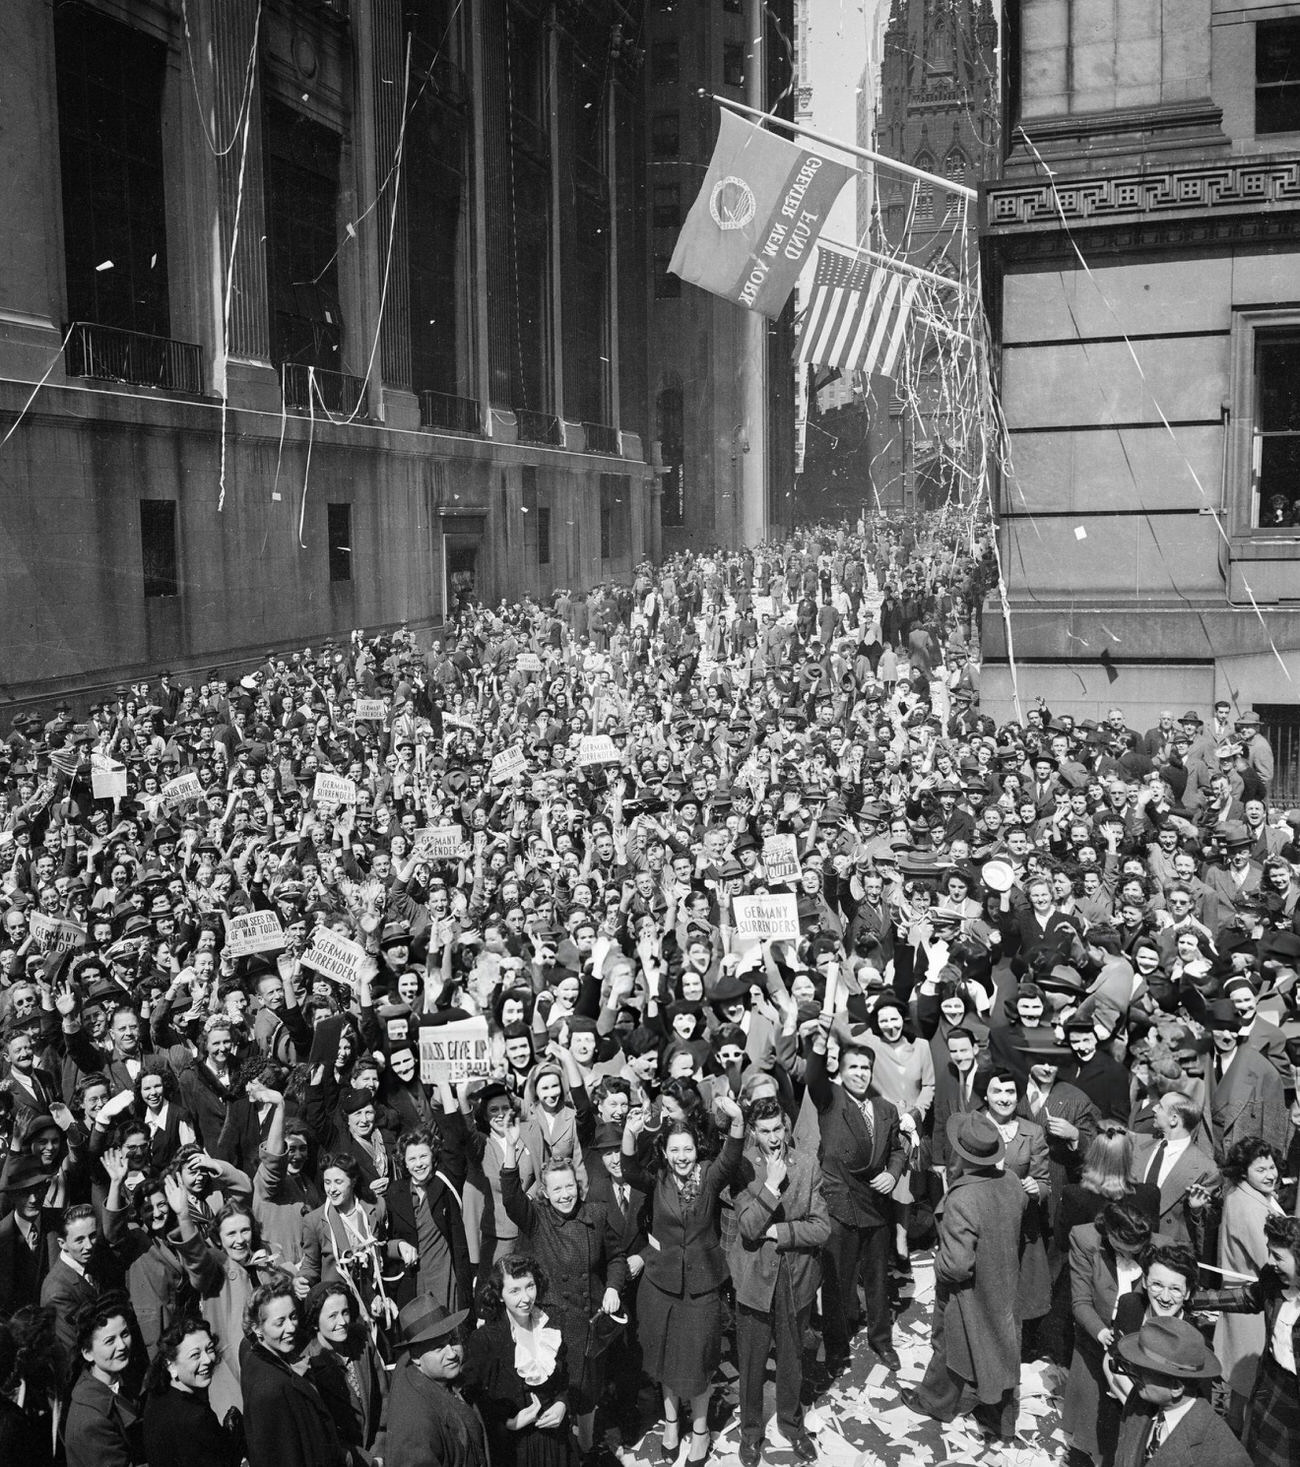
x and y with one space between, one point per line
665 134
543 534
110 85
158 547
667 204
1276 450
302 187
733 64
339 534
1277 76
954 166
663 63
668 287
615 515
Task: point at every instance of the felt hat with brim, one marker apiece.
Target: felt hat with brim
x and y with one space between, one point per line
975 1138
425 1322
1221 1014
1043 1047
1170 1347
730 988
25 1174
608 1137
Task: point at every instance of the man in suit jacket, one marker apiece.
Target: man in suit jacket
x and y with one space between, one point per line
34 1090
1171 1161
1067 1116
1244 1091
958 1087
781 1227
28 1234
83 1270
1164 1424
1255 1032
862 1158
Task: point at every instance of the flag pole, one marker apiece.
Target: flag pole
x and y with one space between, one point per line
864 153
894 264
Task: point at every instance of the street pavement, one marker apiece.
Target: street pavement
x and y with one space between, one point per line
860 1419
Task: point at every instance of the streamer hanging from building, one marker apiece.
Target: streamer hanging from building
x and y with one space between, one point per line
857 315
752 228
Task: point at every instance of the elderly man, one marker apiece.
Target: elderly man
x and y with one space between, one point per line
429 1422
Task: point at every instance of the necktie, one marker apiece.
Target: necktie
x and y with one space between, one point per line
419 1199
1157 1436
1157 1161
621 1193
870 1123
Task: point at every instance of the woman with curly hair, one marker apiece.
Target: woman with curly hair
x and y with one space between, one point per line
344 1366
679 1304
180 1427
1251 1172
286 1424
517 1369
103 1427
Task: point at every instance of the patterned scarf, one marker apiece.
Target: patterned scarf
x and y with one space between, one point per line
688 1187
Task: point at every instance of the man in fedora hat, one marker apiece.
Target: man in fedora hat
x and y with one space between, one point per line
28 1232
1246 1096
975 1340
429 1423
1167 1422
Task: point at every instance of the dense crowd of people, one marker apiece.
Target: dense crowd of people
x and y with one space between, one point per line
398 1068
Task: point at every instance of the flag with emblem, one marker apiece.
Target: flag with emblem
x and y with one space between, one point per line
857 314
752 228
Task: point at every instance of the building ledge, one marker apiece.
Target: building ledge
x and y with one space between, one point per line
1093 141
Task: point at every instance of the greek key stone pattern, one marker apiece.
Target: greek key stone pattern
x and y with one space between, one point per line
1244 184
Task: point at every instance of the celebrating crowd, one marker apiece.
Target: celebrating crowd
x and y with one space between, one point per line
1019 999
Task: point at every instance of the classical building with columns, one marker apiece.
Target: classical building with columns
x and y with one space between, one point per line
314 314
1142 253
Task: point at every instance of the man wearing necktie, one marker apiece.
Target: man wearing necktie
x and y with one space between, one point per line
1167 1420
1246 1094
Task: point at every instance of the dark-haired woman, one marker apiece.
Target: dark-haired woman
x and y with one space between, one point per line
180 1427
679 1304
286 1424
103 1426
344 1366
1105 1266
516 1369
1252 1171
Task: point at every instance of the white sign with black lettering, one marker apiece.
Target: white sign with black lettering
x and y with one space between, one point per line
769 918
455 1052
507 764
253 932
183 789
598 749
439 843
333 789
337 957
781 858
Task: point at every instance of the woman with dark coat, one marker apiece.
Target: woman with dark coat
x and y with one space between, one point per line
581 1252
516 1369
679 1303
1104 1267
344 1366
286 1424
103 1427
180 1427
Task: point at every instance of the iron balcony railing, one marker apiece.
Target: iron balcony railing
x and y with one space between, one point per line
335 393
451 414
534 427
600 438
112 355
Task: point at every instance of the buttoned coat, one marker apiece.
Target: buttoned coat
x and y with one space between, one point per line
977 1278
849 1156
798 1212
1248 1101
684 1254
428 1426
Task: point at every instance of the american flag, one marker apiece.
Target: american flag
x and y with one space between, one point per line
858 313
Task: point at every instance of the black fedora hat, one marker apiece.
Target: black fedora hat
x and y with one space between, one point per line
1044 1046
975 1138
424 1321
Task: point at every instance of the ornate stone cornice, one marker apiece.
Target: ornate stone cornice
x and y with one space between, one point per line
1236 185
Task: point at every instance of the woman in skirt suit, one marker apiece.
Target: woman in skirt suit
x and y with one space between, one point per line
679 1305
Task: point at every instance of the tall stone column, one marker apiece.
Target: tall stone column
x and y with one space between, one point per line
31 236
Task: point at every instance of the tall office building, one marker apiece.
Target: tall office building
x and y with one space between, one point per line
337 311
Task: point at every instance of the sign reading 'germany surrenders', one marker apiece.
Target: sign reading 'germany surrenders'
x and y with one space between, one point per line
770 918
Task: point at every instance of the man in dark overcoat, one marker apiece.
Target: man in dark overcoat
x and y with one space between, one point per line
429 1424
975 1340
